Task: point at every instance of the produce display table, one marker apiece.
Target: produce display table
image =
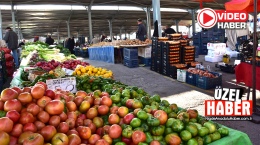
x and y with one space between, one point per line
103 53
244 74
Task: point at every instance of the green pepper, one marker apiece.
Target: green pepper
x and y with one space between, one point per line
140 91
2 113
223 131
177 125
152 121
127 132
158 130
145 100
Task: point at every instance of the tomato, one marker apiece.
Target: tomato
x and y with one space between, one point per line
149 137
93 138
184 116
193 113
43 116
142 115
13 104
155 142
168 131
192 141
115 131
84 132
192 129
207 139
161 115
174 108
158 138
185 135
5 138
223 131
152 121
120 143
136 122
177 125
172 115
127 132
158 130
169 122
54 107
172 139
138 136
215 136
210 126
203 131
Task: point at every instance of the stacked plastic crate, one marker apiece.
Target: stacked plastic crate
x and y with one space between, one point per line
156 55
197 43
131 57
144 54
171 55
187 54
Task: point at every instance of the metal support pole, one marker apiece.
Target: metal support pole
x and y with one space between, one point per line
90 24
18 32
58 35
177 25
254 57
125 34
121 33
21 34
110 29
157 15
148 24
13 18
193 21
68 27
1 33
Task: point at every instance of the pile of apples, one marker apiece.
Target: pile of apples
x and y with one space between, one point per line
39 116
51 65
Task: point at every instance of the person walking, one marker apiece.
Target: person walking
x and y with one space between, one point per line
168 30
11 39
49 40
141 32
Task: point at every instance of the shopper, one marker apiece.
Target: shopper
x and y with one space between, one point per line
11 39
21 44
141 32
168 30
71 44
36 38
49 40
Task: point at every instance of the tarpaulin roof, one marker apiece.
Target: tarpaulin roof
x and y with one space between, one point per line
246 5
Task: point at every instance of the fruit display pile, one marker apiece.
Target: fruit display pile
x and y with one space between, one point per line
93 71
51 65
124 115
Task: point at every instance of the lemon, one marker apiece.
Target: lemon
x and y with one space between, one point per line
106 76
78 73
83 70
98 72
95 70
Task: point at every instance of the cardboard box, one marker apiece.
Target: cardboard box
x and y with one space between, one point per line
216 46
145 51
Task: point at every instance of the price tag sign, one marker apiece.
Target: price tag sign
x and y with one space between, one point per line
67 84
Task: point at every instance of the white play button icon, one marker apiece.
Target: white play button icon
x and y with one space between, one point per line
207 18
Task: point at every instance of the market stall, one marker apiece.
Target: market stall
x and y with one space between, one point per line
113 51
108 109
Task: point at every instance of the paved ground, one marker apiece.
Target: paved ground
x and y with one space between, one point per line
186 96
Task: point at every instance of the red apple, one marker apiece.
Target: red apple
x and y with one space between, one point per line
63 116
4 138
26 117
54 107
18 90
74 139
33 108
50 93
13 140
54 120
39 125
8 94
78 100
60 139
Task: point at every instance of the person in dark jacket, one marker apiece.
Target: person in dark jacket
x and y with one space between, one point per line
141 32
22 43
49 40
11 39
168 30
71 44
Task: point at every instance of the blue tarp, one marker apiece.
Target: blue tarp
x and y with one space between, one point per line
103 53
